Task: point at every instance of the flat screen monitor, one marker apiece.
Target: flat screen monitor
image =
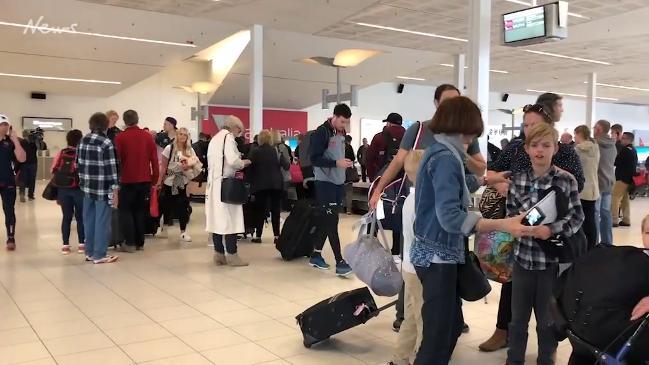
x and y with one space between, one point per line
524 25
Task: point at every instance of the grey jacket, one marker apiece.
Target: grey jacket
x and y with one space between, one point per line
606 170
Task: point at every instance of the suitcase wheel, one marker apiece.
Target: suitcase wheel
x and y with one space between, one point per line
307 344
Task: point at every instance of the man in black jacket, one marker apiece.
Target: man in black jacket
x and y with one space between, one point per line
625 169
27 171
327 154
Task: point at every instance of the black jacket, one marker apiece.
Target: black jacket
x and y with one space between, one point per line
625 164
265 171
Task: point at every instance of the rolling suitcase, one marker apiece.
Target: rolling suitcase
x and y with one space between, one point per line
302 230
337 314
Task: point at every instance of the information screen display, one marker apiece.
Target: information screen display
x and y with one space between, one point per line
525 24
47 124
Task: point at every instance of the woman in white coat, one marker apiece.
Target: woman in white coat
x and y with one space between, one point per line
224 221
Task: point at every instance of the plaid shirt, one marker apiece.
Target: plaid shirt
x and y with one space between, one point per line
97 166
524 192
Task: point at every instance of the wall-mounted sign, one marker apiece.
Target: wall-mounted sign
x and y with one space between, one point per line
47 124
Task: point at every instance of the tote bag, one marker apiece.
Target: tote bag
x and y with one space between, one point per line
234 190
371 259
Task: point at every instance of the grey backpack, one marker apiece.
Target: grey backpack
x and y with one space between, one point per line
370 258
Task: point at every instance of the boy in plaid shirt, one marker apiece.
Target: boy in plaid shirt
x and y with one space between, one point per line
535 271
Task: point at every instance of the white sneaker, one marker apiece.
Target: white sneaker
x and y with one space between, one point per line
397 259
185 237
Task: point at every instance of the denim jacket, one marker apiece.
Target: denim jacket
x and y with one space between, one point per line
441 204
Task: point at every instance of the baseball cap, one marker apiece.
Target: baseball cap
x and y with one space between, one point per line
4 119
394 118
172 120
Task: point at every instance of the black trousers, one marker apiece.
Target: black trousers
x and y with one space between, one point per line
330 197
363 173
441 314
28 180
268 201
133 204
8 195
590 223
505 307
177 205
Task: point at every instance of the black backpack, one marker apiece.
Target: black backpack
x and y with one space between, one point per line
391 147
66 174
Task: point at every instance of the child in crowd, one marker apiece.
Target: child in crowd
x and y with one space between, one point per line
534 271
410 332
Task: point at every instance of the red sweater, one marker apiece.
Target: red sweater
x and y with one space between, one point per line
137 155
375 159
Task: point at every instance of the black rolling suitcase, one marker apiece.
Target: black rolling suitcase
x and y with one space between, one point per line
302 230
337 314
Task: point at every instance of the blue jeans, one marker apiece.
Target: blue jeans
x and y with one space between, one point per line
71 202
97 215
604 219
441 314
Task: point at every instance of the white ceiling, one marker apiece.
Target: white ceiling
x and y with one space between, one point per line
616 32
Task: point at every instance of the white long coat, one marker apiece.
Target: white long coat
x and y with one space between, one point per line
222 218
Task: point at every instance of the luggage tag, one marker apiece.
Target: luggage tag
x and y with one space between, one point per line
380 213
360 308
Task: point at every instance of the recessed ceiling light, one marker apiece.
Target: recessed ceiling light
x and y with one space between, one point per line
620 86
569 94
533 4
51 30
410 78
61 79
411 32
495 71
568 57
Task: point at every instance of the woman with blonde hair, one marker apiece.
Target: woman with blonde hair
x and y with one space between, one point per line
178 167
224 220
267 182
588 151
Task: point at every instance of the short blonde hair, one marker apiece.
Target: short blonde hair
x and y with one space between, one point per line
277 136
265 138
411 165
541 130
111 113
233 122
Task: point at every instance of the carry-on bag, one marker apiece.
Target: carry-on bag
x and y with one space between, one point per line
371 260
116 234
302 230
337 314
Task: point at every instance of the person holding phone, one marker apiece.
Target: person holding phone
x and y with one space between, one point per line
534 271
10 152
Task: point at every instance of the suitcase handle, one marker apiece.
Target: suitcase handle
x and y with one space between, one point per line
381 309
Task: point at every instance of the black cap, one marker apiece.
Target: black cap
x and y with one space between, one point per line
172 120
394 118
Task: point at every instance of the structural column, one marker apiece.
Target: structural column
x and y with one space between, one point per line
591 101
458 72
257 80
479 58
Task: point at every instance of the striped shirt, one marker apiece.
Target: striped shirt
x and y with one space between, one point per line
97 166
525 191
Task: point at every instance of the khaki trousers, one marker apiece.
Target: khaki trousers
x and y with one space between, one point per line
621 199
411 329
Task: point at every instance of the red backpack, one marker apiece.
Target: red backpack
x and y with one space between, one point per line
66 174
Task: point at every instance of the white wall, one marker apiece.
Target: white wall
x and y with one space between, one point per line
416 103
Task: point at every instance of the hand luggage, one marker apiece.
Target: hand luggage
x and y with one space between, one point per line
337 314
370 258
495 250
302 230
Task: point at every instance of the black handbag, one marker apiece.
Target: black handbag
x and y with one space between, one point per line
234 190
472 283
351 175
51 192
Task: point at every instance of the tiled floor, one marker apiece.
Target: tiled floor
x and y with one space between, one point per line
170 305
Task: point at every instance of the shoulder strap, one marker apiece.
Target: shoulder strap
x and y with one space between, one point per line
421 127
171 153
225 138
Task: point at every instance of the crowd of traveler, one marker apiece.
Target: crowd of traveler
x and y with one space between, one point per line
110 170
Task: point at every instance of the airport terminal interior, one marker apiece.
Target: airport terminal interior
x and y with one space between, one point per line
92 92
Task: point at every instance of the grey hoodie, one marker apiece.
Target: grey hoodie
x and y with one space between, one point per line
606 171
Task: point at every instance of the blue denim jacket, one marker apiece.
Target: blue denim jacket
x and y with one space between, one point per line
442 217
